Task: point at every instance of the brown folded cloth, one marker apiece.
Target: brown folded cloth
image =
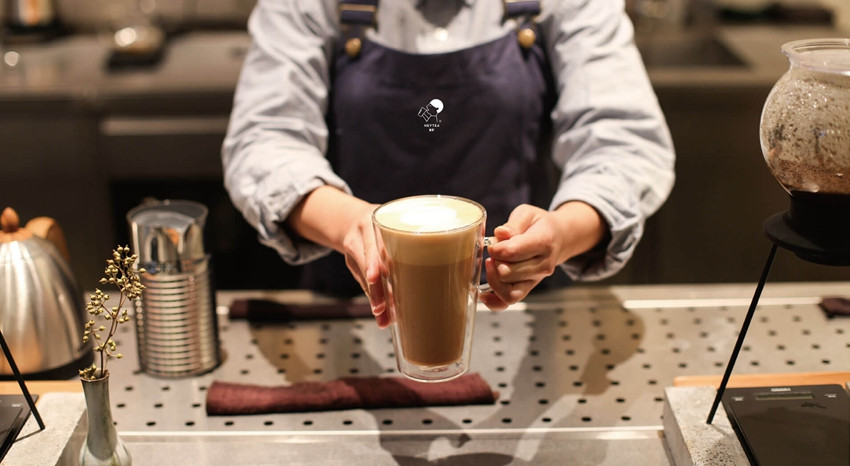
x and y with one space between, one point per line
273 311
835 306
347 393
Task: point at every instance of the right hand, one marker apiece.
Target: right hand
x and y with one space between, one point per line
361 257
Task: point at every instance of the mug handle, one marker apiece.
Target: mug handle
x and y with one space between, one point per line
485 288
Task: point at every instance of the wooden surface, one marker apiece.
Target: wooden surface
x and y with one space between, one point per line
765 380
39 387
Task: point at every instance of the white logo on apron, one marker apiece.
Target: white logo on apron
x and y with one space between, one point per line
429 114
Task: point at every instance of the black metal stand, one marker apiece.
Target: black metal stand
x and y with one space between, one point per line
21 382
817 230
743 333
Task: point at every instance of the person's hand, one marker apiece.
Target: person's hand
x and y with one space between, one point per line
530 246
361 257
343 222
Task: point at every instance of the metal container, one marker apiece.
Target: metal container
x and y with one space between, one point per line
176 325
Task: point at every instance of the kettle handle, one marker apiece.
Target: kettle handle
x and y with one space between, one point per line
47 228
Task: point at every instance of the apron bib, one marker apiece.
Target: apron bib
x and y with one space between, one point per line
465 123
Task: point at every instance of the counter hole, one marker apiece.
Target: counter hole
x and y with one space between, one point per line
647 366
582 400
532 338
281 371
658 399
540 384
839 331
497 338
825 362
600 337
815 346
710 349
609 367
537 368
570 352
287 341
573 367
317 371
543 401
606 351
506 420
387 422
120 405
353 371
196 405
137 372
347 422
357 341
157 405
128 388
228 423
754 363
718 364
308 423
151 423
615 383
790 362
284 356
503 385
323 341
320 355
670 336
652 382
772 333
500 369
577 383
626 418
546 419
268 423
505 402
390 370
326 327
249 356
495 325
497 353
703 334
683 365
467 421
636 336
244 372
621 400
586 419
427 421
391 355
355 355
190 423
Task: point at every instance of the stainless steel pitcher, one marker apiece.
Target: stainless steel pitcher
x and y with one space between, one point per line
41 306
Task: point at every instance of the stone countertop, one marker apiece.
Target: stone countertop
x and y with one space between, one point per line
208 62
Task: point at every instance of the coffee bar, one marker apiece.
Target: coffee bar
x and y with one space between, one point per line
725 340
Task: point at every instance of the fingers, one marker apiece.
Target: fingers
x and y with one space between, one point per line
507 292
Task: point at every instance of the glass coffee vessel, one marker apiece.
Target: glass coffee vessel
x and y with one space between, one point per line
805 140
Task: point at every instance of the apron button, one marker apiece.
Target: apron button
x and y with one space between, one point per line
526 37
352 47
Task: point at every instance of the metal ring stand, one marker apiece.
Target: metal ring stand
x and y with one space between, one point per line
815 232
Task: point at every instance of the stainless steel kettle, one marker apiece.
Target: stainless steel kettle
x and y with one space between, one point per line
41 306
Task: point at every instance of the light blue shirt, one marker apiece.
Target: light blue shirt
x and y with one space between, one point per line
611 141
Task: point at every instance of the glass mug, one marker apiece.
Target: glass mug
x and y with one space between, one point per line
431 249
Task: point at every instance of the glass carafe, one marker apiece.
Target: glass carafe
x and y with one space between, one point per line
805 123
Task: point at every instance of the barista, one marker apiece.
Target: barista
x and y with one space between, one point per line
343 106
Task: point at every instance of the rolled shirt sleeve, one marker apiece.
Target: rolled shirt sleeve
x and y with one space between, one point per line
611 140
274 151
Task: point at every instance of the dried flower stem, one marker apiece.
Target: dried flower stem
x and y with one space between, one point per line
119 272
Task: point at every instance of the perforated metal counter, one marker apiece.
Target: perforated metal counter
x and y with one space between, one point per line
580 372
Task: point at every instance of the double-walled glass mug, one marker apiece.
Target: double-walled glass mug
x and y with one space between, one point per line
431 250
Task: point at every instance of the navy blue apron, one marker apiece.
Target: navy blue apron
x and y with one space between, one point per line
467 123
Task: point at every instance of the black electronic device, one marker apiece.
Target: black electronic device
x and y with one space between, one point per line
791 425
14 412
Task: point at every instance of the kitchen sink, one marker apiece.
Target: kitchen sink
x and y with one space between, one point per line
686 50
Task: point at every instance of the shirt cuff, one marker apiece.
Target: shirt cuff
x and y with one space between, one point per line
620 211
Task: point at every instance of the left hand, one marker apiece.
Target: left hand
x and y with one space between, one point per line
531 245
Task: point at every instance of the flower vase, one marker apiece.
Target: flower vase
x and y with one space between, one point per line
103 446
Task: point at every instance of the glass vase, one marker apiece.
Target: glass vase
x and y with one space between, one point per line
103 445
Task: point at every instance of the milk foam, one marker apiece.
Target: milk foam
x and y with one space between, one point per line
427 214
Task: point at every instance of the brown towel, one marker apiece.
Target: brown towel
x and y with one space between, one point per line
273 311
835 306
347 393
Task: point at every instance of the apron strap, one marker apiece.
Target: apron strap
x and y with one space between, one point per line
523 11
355 16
